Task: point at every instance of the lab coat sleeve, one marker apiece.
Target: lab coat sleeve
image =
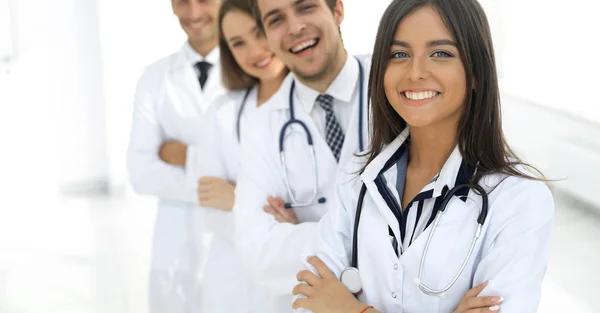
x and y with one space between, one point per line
332 242
148 174
271 250
206 157
333 238
518 247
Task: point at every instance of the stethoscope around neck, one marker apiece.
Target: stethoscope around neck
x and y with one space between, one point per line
294 203
291 101
240 111
350 276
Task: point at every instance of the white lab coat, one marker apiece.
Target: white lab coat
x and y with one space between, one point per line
168 106
225 277
511 253
271 250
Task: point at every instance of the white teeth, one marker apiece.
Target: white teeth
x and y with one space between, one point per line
421 95
304 45
196 25
264 62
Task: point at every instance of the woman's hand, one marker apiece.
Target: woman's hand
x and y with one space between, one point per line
275 207
471 303
216 193
324 294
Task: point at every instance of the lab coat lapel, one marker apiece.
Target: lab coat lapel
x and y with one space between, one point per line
212 89
371 174
351 142
351 145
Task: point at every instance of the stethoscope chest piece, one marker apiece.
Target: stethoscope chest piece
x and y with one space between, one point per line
350 277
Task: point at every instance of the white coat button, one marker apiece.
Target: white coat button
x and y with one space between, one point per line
395 266
394 295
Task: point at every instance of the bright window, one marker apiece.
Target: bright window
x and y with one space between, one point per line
546 52
6 47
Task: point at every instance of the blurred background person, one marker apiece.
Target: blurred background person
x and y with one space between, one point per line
171 97
252 74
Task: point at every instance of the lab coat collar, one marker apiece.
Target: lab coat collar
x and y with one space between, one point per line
189 57
182 72
192 56
454 171
380 162
280 100
444 180
342 88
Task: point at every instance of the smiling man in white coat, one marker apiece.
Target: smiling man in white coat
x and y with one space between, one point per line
171 97
325 98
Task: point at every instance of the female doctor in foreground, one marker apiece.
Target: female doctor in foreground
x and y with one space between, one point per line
251 73
402 237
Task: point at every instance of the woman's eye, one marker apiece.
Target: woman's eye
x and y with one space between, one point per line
442 54
400 55
237 44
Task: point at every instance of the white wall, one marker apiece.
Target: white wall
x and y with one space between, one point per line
548 53
548 74
566 149
6 49
53 108
134 34
360 24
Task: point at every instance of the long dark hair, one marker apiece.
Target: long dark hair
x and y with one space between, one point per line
481 140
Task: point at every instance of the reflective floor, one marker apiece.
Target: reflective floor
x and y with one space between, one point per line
91 254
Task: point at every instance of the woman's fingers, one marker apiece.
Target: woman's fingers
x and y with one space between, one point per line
303 289
308 277
320 266
475 291
472 303
301 303
483 310
482 303
267 208
275 202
